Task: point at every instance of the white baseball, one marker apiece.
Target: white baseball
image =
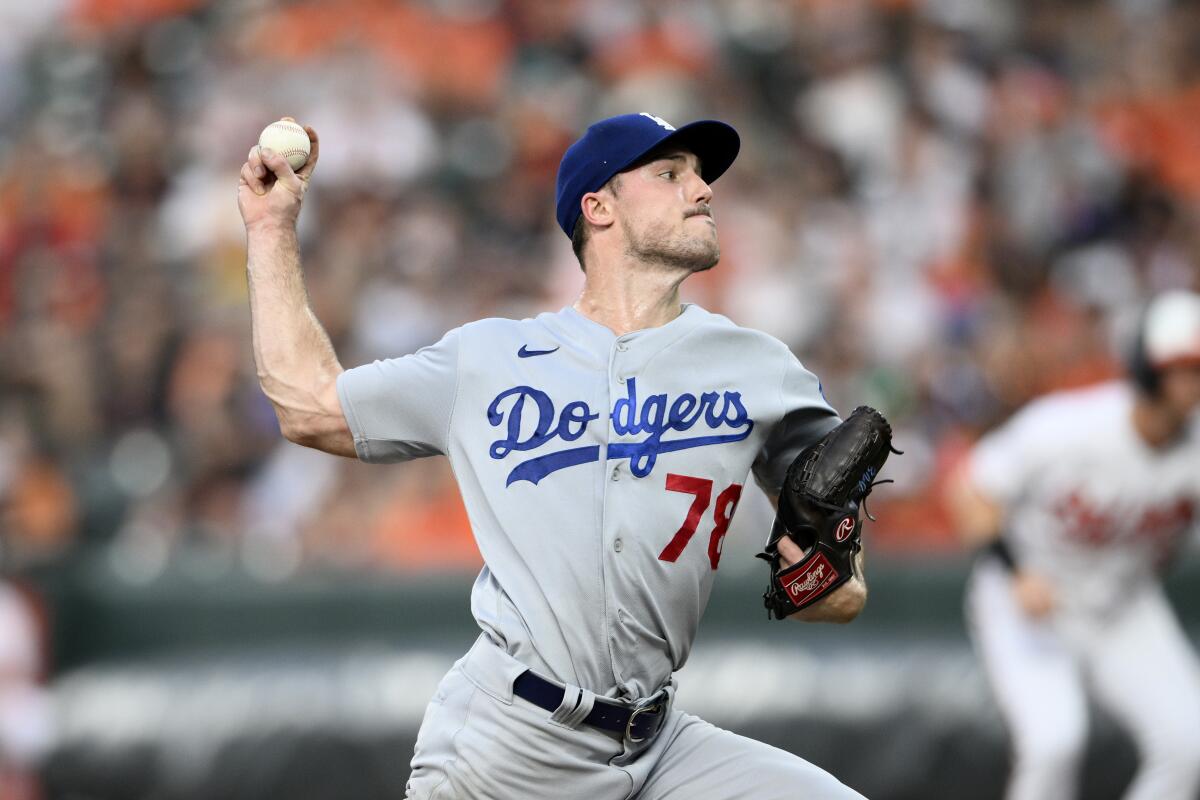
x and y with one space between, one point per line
289 140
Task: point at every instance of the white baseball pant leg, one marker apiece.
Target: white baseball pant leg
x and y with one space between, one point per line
1145 672
1038 686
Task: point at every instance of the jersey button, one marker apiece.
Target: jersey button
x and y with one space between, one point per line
617 545
616 473
622 346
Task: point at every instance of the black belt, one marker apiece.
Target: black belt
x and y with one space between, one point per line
637 723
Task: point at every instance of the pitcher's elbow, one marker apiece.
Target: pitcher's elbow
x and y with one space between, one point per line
289 427
307 430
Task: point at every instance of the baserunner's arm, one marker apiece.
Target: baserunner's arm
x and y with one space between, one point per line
296 363
980 521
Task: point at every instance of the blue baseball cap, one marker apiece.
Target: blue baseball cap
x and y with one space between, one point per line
617 143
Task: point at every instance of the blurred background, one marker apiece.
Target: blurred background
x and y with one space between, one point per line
945 207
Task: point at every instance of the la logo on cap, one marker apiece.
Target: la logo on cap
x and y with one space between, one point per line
659 120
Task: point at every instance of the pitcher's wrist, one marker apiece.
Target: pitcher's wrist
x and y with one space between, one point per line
270 226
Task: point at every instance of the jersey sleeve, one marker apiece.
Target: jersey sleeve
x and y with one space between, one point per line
399 408
806 418
1004 461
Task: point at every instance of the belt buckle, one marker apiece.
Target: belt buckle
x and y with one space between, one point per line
651 705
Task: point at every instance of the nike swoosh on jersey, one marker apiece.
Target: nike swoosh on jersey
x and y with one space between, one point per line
525 352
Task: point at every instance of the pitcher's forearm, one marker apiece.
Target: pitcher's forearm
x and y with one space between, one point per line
843 604
295 360
296 365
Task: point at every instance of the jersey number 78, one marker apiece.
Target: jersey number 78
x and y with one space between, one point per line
701 488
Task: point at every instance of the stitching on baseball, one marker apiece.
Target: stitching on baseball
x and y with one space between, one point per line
291 127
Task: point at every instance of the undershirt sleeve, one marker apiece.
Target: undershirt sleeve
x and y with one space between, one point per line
806 418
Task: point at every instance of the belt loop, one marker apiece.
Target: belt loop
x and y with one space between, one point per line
668 691
587 700
566 709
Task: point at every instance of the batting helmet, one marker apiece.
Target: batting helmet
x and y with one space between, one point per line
1168 335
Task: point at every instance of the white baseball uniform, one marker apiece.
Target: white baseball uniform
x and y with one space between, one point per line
600 474
1097 510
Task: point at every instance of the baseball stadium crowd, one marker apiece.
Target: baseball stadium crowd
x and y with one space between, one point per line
944 207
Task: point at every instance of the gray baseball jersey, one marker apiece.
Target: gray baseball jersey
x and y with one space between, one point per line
600 473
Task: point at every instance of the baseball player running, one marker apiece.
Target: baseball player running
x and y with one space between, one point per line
1081 499
601 452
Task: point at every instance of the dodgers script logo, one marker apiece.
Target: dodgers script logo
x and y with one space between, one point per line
654 417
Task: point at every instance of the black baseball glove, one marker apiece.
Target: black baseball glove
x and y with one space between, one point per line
818 509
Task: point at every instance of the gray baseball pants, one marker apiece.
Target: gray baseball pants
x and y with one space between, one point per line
480 742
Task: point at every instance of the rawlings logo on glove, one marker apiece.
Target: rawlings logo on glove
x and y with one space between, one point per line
844 529
818 509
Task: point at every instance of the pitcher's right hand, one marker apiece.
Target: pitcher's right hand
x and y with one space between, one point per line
269 191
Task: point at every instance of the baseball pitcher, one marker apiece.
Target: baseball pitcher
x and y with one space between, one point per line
601 451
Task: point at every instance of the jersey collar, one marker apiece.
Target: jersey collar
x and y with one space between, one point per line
599 339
